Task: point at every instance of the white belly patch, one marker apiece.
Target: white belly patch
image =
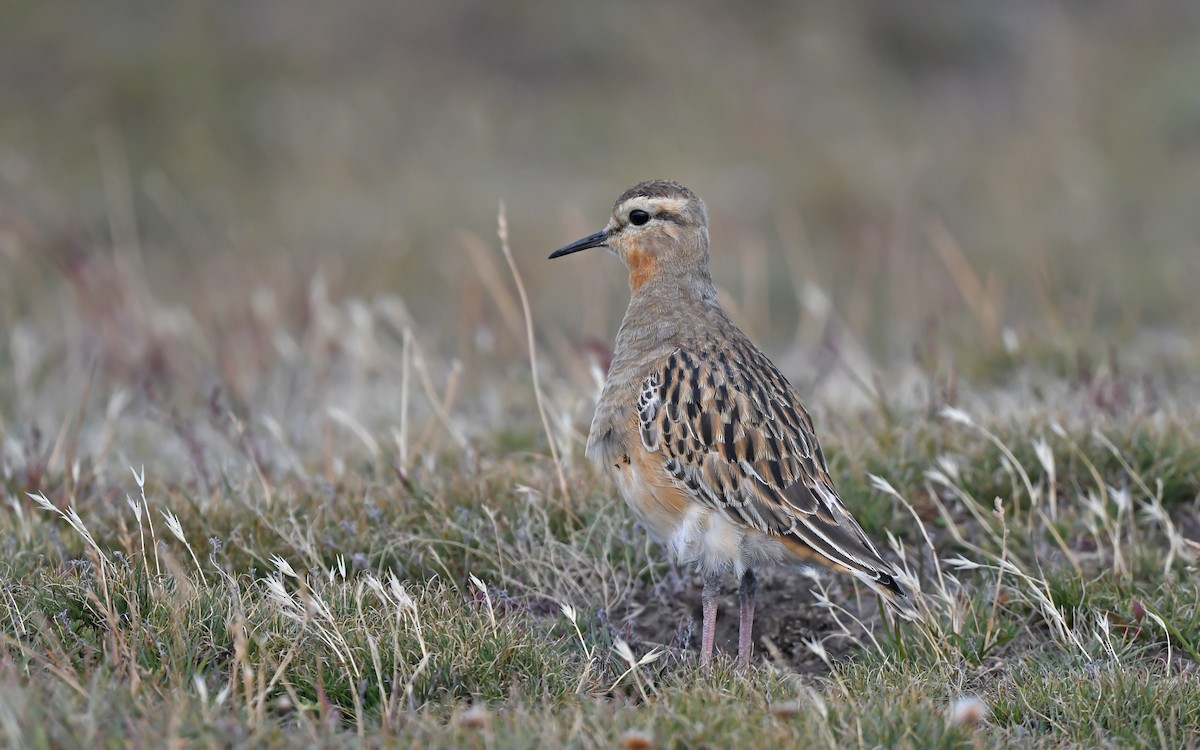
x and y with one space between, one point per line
700 535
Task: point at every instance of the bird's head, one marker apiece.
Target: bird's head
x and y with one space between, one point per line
659 229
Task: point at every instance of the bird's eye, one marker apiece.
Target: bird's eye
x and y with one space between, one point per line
638 217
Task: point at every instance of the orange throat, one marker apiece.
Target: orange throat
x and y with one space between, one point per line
642 267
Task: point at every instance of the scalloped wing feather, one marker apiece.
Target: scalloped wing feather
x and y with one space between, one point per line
731 430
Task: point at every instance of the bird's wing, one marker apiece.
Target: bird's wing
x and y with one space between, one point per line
730 430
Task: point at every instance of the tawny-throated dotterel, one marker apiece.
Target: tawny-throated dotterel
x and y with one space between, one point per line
708 443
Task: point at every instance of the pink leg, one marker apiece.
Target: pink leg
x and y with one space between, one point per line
746 620
708 600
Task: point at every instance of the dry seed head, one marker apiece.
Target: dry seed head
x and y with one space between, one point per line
949 466
569 611
883 485
957 415
404 601
283 566
373 583
42 502
1045 455
817 647
626 653
174 525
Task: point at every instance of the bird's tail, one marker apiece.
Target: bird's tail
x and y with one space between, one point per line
898 598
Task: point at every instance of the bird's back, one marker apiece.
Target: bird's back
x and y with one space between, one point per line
689 393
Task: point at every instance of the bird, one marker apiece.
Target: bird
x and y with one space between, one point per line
708 443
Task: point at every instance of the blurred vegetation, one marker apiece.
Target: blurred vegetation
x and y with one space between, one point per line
966 166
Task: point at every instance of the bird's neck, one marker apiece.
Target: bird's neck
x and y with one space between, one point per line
665 310
663 315
665 290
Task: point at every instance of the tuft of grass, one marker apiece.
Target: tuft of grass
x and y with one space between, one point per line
399 568
461 601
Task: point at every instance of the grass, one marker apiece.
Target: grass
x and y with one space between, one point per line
274 472
341 584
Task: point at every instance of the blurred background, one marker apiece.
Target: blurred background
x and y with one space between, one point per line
964 187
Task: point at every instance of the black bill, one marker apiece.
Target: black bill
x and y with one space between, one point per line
599 239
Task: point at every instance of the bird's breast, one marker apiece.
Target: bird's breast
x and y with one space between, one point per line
661 507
